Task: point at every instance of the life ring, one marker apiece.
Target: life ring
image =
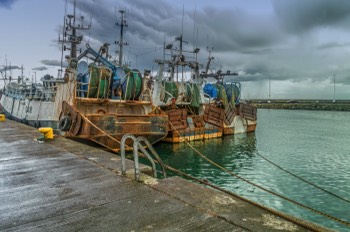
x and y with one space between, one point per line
101 111
64 123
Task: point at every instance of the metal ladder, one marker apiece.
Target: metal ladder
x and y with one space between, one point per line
136 146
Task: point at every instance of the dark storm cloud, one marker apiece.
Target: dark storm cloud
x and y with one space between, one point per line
56 63
237 30
343 78
148 25
145 19
255 68
8 68
300 16
7 3
145 32
42 68
333 45
279 45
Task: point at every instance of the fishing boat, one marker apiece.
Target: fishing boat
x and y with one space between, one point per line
195 114
94 99
239 116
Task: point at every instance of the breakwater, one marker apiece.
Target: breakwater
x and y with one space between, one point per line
325 105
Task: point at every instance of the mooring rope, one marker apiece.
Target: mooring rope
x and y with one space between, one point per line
263 188
304 180
295 220
97 128
312 227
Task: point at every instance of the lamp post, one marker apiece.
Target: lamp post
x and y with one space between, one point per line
333 88
269 101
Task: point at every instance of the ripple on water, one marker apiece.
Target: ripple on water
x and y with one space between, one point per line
312 145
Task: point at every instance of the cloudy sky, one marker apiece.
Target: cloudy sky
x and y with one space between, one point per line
299 45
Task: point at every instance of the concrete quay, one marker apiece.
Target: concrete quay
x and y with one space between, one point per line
62 185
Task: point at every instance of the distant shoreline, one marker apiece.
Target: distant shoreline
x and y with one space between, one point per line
323 105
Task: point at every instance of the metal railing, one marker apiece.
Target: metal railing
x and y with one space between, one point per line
136 147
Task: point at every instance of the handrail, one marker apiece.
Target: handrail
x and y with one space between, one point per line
136 146
122 150
153 151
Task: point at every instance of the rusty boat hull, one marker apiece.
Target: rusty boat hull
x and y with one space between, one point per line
242 119
184 127
152 127
107 129
194 134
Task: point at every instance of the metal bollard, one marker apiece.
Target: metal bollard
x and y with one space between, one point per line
47 131
2 117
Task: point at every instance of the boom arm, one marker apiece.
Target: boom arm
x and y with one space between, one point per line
98 57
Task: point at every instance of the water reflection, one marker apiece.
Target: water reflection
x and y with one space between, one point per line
236 153
312 145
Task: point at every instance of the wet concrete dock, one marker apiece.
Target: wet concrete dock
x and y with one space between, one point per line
63 185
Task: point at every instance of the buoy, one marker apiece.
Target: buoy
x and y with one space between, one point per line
2 117
47 131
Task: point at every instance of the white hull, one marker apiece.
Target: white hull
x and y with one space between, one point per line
31 112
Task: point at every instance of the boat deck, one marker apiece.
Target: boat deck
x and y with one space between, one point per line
63 185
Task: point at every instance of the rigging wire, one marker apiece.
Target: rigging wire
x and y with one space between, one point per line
64 26
275 212
207 183
91 16
287 217
302 179
150 51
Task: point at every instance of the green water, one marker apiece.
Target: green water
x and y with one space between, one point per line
311 144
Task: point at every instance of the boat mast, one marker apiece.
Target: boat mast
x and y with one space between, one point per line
72 38
333 88
22 75
121 43
208 63
6 68
269 90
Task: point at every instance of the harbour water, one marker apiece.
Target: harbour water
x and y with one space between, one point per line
313 145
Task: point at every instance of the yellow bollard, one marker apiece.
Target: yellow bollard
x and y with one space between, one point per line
47 131
2 117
